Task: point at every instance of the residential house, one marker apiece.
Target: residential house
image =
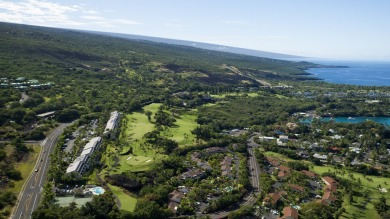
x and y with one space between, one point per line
337 159
192 174
329 180
327 198
283 171
304 154
273 161
226 166
272 199
174 200
282 140
296 188
290 213
214 150
265 138
321 157
309 174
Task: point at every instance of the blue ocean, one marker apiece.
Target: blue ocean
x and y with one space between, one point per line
359 72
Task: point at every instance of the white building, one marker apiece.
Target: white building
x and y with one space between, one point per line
81 163
112 123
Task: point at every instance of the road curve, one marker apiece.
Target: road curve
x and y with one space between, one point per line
31 192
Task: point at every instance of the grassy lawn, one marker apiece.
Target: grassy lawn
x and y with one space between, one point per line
136 163
181 133
359 208
372 186
25 167
127 202
281 157
221 96
138 125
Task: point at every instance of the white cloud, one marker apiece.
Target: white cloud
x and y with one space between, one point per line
46 13
126 21
90 12
92 17
38 12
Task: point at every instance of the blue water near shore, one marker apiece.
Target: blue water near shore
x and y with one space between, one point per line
359 72
382 120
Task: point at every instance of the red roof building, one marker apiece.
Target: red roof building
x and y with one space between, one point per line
290 213
309 173
329 180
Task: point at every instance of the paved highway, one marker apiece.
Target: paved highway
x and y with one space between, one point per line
30 195
254 169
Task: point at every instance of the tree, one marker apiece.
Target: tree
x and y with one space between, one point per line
148 114
381 205
316 211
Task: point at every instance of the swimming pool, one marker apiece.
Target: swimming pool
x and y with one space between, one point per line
97 190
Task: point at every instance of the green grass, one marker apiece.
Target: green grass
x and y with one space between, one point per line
25 167
372 186
136 163
280 157
137 125
221 96
358 208
128 203
181 133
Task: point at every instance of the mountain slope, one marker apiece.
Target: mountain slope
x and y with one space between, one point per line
200 45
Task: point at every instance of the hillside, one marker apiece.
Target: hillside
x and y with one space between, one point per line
200 45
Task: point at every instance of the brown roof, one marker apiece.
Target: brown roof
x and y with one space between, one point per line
175 196
331 188
290 212
329 180
173 206
284 168
324 202
309 173
283 173
273 197
328 196
296 187
273 161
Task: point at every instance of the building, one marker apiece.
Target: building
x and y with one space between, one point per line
46 115
273 161
112 124
192 174
329 180
266 138
82 162
296 188
272 199
226 166
290 213
309 174
174 200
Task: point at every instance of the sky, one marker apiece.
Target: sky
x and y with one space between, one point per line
334 29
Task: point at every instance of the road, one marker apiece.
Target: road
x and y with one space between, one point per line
254 169
31 192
